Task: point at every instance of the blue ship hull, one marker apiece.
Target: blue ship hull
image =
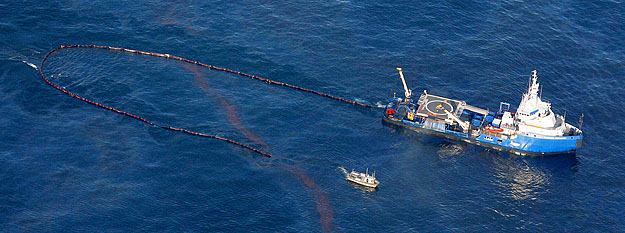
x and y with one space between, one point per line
532 129
521 144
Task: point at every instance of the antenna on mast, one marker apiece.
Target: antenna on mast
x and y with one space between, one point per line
529 83
407 91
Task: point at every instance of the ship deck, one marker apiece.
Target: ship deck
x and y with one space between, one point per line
435 106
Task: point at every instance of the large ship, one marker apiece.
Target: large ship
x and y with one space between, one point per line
532 129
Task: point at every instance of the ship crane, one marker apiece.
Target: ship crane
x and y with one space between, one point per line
464 125
407 91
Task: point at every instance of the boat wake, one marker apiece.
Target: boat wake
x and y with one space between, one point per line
343 171
359 100
379 104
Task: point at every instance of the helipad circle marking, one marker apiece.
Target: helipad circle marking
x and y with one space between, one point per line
439 107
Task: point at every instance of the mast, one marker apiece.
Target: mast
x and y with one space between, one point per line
534 85
581 120
407 91
529 83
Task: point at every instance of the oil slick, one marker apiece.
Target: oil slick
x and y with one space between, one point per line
231 111
321 199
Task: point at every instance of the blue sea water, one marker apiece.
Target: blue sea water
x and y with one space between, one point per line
68 166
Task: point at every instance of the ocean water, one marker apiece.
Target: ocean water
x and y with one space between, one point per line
68 166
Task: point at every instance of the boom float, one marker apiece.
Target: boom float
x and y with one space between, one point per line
533 129
269 81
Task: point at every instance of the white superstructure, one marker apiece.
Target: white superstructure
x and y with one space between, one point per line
534 116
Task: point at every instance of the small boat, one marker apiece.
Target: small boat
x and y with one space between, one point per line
363 178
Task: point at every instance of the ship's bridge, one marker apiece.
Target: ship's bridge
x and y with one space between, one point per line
535 116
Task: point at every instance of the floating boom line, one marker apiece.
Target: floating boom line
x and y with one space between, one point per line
269 81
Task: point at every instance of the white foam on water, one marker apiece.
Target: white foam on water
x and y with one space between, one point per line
30 64
359 100
379 104
342 170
